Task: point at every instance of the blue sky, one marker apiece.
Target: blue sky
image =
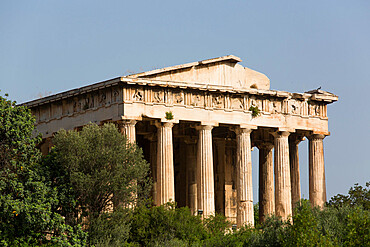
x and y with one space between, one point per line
52 46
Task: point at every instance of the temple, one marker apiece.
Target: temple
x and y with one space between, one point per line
197 124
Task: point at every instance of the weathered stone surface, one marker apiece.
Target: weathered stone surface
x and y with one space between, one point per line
266 181
165 170
218 71
205 181
317 186
294 140
245 214
283 194
191 170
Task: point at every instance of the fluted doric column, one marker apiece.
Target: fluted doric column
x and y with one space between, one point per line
191 167
165 169
317 185
266 180
205 178
295 180
153 164
283 194
245 214
220 185
127 127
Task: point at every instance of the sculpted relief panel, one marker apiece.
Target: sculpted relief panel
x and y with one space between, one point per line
237 102
218 101
178 97
197 100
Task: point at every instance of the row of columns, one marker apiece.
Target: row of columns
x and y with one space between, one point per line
277 196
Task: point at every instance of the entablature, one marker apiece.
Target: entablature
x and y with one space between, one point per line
134 97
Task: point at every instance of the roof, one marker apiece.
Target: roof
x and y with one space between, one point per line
229 58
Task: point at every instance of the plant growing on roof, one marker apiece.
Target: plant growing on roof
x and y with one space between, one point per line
255 111
169 115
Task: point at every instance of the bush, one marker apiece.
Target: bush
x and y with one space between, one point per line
154 225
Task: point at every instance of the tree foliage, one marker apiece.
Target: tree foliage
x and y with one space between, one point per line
357 196
95 171
26 202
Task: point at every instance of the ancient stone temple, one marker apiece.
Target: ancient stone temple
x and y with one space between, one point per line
197 124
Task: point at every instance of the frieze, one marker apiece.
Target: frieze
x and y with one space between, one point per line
115 95
102 98
294 107
228 101
218 101
237 102
138 95
178 97
158 96
197 100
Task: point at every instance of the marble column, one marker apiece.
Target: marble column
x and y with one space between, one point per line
230 181
205 178
245 214
283 193
295 180
191 178
153 163
127 128
165 169
220 176
266 180
317 185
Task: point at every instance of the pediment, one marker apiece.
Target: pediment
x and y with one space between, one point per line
224 71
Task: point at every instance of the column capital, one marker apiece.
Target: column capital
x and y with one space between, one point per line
204 127
239 131
277 134
243 128
316 137
296 139
264 145
164 124
127 122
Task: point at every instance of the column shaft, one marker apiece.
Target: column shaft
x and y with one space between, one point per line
220 177
191 165
283 196
245 214
266 181
205 179
127 128
294 169
165 169
317 185
153 164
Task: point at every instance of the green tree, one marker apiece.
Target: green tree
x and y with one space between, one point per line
26 202
358 228
305 229
357 196
95 170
